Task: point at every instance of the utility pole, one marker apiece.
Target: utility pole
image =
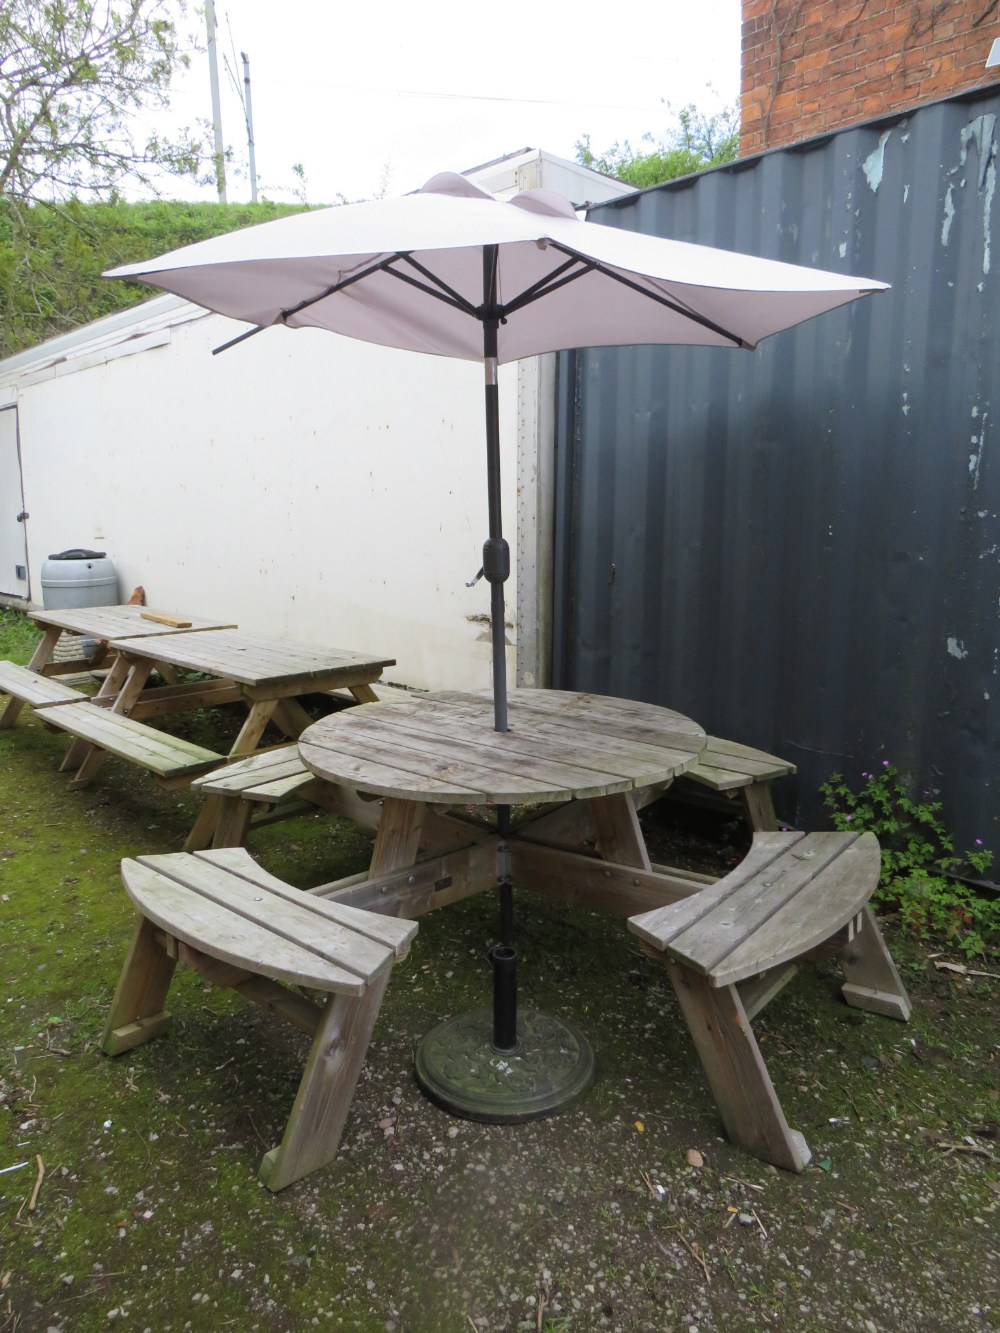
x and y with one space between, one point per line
213 71
248 111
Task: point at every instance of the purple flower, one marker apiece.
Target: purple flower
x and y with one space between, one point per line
848 818
885 763
979 842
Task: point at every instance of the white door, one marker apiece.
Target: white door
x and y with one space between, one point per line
13 543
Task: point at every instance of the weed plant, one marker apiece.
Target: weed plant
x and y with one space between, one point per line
921 872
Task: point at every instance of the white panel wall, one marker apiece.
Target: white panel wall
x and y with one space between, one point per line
301 483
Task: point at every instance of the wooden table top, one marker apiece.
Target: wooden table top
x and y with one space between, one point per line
120 622
560 746
254 659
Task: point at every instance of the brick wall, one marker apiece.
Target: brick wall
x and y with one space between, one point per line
815 65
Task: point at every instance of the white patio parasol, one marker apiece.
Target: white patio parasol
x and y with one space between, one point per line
454 271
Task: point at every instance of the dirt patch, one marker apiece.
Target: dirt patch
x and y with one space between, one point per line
149 1212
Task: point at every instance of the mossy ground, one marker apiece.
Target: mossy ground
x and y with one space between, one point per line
150 1213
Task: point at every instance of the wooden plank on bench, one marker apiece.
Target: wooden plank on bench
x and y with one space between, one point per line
248 930
791 894
35 690
273 775
727 765
163 755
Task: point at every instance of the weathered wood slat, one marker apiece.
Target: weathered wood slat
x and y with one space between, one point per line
197 920
166 756
659 928
800 890
558 766
257 660
392 770
247 775
445 748
35 690
545 742
392 934
117 622
621 719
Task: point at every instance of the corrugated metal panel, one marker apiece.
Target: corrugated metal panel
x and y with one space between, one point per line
800 546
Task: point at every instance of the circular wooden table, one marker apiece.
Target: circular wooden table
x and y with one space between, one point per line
561 747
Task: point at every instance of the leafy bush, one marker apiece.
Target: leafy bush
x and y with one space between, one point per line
919 865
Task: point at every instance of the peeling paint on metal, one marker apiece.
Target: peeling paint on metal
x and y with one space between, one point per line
874 164
957 648
991 185
976 457
981 133
949 213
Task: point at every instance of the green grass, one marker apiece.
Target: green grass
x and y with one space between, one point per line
18 636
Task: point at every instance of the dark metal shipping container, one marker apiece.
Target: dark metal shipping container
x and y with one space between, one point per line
800 546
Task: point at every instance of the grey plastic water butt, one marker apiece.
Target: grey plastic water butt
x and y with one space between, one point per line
78 577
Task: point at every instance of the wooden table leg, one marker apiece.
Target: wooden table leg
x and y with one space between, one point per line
619 835
364 694
128 691
111 685
261 711
397 842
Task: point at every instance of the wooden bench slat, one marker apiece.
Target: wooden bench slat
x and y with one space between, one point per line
34 689
166 756
661 925
292 917
389 931
725 765
813 917
247 774
771 909
212 927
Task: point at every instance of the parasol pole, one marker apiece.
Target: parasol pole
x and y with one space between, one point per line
496 568
496 552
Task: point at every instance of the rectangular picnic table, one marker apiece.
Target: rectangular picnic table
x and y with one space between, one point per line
270 675
101 623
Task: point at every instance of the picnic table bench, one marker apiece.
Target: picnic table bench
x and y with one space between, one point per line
733 770
732 946
235 925
171 760
28 687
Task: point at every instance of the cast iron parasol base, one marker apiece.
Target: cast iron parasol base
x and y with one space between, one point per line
458 1067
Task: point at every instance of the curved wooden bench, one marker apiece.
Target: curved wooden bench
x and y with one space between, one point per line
732 770
223 916
731 947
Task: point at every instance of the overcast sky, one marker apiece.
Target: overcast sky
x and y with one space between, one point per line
359 92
